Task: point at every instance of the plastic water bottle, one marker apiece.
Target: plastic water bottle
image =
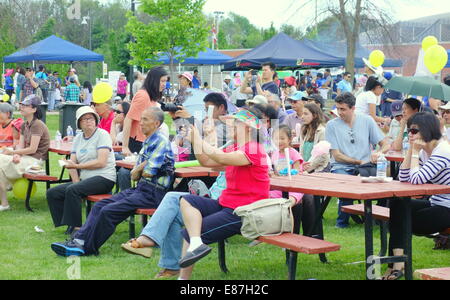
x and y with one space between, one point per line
405 146
58 139
382 164
69 133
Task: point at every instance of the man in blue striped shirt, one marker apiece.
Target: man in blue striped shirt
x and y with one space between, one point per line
154 172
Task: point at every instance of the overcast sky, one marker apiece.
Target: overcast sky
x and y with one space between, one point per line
262 12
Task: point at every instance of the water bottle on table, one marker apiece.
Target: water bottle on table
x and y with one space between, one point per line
69 133
405 146
58 139
382 164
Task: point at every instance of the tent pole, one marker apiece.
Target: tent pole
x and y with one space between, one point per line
221 79
211 83
3 78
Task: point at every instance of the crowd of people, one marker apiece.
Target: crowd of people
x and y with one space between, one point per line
251 145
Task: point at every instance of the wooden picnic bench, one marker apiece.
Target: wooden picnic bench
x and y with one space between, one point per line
433 274
293 243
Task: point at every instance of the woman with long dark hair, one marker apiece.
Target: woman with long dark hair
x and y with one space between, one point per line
86 95
366 103
148 96
427 161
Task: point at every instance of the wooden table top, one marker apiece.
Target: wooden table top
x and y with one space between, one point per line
396 156
65 148
346 186
181 172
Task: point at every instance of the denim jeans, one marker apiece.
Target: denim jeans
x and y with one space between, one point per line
51 100
124 179
343 218
165 228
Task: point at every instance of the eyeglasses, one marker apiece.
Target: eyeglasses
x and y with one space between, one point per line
352 136
413 131
87 120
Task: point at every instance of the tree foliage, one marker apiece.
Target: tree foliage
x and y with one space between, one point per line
177 28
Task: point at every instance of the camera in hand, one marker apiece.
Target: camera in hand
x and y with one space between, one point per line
170 107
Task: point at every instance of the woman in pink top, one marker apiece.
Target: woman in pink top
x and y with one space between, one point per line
247 176
122 85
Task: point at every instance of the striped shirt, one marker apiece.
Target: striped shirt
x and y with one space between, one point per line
157 151
434 169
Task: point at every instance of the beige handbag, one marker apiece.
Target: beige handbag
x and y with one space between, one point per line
267 217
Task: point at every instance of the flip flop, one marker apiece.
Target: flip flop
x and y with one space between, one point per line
136 248
394 275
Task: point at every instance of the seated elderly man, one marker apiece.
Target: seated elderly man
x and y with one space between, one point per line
154 170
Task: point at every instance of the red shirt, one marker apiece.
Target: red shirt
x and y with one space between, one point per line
247 184
105 123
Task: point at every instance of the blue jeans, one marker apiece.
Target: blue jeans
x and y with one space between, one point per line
165 228
343 218
51 100
124 179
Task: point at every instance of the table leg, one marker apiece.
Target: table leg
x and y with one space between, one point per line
368 229
408 237
393 170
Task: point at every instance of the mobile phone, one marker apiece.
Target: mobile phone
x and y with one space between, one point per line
254 72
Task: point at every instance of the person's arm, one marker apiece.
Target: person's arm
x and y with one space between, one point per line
385 146
99 163
373 114
342 158
73 172
137 171
397 145
34 144
16 138
33 83
245 88
126 136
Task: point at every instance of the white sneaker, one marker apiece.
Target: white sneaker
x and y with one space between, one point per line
3 208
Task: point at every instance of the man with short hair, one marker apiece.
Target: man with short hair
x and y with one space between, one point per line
345 86
226 86
154 172
72 91
352 137
196 81
266 83
29 85
298 105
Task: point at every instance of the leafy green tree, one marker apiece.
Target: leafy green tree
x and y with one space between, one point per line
46 30
177 28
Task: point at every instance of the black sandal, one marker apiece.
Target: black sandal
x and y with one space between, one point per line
394 275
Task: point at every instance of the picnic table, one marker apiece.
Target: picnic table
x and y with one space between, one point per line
346 186
65 148
394 157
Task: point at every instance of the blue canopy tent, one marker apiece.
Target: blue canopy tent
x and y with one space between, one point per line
53 50
340 50
286 53
207 57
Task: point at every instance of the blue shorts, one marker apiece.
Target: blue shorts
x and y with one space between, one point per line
218 223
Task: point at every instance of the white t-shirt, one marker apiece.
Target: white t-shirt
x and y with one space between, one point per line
363 100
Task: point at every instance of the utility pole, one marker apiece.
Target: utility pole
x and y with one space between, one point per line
131 75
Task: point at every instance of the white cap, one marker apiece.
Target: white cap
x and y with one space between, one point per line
446 106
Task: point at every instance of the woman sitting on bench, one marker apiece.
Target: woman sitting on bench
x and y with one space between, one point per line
31 150
92 167
428 160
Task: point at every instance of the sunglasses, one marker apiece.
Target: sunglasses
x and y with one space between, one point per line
413 131
118 112
446 112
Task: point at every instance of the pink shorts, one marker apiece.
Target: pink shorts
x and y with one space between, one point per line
279 194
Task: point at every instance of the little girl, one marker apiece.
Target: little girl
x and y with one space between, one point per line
283 138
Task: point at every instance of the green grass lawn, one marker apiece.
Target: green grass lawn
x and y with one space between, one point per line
26 254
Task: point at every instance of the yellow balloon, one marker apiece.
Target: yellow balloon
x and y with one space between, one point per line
428 42
5 98
376 58
102 93
20 188
436 58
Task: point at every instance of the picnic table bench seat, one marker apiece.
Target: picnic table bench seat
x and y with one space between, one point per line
433 274
294 244
36 178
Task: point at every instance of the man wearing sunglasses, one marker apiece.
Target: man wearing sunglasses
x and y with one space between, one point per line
352 137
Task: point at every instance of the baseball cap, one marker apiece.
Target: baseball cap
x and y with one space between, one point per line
187 75
298 96
397 108
32 100
258 100
290 80
317 98
388 75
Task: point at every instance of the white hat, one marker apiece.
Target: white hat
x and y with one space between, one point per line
84 110
446 106
258 100
377 71
227 77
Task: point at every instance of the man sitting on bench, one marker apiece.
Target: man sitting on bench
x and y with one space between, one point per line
154 170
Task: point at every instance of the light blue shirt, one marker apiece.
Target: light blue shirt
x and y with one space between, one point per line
364 133
345 86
